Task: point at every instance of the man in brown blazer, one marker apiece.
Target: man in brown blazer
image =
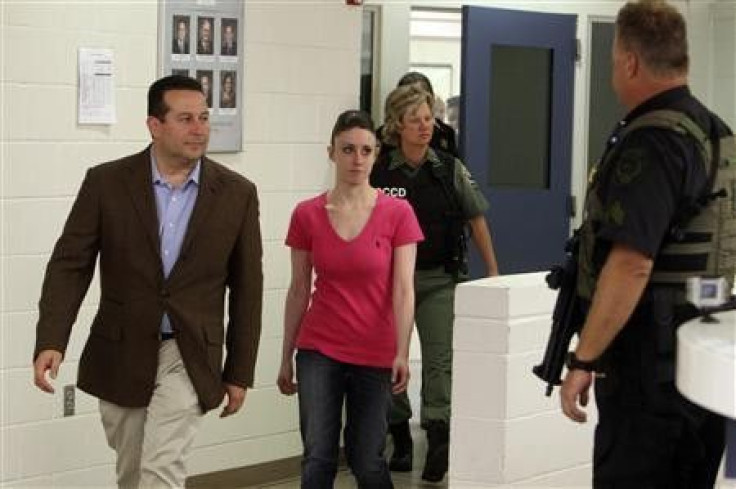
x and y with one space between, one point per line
173 231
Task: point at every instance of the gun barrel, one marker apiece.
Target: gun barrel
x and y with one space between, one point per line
566 319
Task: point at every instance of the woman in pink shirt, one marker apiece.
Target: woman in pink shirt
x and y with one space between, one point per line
351 332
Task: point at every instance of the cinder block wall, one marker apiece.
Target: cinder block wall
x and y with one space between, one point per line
301 69
504 429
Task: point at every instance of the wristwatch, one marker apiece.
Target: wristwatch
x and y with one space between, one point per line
574 363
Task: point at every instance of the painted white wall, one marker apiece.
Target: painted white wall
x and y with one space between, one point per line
436 50
301 70
505 433
394 47
723 79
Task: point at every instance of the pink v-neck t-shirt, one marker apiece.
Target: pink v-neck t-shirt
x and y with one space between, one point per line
350 317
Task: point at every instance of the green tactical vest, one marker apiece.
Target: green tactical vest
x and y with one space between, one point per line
703 237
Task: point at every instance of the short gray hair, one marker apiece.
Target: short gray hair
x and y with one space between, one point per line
656 31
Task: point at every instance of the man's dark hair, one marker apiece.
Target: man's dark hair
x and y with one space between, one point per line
656 31
156 105
351 119
419 78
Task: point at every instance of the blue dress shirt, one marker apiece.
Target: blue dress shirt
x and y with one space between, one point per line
174 207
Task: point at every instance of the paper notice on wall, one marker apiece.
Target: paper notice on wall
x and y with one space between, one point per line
96 86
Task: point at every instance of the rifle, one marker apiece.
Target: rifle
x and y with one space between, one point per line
566 318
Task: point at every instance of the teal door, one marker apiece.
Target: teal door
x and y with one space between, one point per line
516 130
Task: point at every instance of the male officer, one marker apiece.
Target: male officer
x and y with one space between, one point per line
173 230
640 200
453 113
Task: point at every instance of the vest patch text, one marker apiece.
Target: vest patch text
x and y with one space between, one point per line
399 192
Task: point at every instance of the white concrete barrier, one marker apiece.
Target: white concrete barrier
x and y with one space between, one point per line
504 431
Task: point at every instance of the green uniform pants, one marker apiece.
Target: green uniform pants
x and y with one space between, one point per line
433 315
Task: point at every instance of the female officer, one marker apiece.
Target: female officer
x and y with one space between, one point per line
445 200
352 337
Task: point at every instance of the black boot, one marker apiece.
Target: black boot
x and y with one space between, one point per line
438 451
401 459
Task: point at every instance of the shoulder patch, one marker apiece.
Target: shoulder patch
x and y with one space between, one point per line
629 165
616 213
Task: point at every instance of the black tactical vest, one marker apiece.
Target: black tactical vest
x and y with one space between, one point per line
432 196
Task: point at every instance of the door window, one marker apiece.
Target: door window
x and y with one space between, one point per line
520 115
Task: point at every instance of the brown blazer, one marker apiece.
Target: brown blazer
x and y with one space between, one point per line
114 216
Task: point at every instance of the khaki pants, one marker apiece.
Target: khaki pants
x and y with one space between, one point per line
152 442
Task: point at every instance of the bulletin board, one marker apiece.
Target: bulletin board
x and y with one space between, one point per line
203 39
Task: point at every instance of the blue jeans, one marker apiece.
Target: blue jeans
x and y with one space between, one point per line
323 385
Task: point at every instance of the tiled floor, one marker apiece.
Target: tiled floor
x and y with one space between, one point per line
406 480
413 480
